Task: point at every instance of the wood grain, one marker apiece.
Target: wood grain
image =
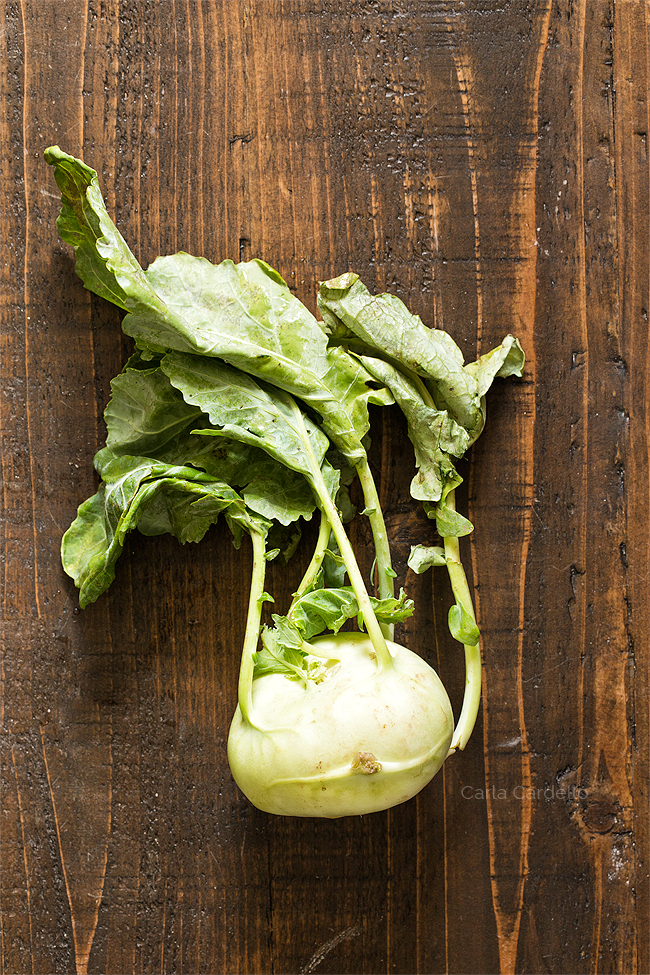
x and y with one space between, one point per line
489 164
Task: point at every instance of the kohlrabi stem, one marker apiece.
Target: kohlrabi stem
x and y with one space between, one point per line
252 633
316 562
462 595
373 628
375 631
460 588
385 574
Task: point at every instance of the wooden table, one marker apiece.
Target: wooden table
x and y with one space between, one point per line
488 163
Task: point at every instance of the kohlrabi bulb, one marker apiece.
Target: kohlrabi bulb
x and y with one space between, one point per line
362 739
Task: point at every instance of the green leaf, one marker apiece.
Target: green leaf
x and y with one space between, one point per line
264 419
505 360
85 547
246 315
323 609
285 646
281 653
147 415
186 511
423 557
278 493
241 408
155 497
435 435
450 523
284 540
393 609
103 260
354 388
462 627
384 323
334 571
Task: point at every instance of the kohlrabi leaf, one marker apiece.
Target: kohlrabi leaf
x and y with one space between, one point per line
354 387
193 498
282 653
323 609
184 509
125 472
285 645
147 415
103 260
462 627
155 497
278 493
450 523
94 541
505 360
423 557
333 567
244 409
237 312
393 609
273 490
246 315
282 541
435 435
384 323
85 548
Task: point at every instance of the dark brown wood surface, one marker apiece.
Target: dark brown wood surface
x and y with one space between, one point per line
487 162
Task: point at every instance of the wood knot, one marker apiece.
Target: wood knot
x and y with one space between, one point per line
600 817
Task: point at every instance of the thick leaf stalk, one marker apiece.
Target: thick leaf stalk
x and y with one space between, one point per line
257 598
468 634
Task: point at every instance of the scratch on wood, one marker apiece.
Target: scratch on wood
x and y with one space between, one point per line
84 921
408 206
58 837
375 214
320 955
27 884
463 73
245 138
200 129
164 925
330 236
27 327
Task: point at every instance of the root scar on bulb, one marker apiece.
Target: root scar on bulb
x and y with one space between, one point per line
366 763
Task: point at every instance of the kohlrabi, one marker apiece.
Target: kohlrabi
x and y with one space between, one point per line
365 734
239 404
